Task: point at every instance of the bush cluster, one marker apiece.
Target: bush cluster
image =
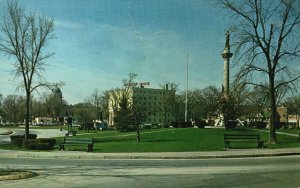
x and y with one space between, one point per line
181 124
258 124
32 142
18 140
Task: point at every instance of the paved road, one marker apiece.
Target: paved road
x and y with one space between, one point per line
244 172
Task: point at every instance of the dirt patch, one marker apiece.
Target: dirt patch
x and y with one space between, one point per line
15 174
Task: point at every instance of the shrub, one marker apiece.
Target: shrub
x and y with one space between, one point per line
18 141
261 125
30 143
13 137
258 124
40 144
279 125
128 128
211 122
181 124
201 123
31 136
50 141
71 132
240 128
146 126
231 124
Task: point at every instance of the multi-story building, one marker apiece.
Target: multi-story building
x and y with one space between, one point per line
155 103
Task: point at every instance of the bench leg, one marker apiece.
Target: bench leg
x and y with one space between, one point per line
90 148
61 146
260 144
226 144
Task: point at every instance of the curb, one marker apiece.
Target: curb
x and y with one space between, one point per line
168 155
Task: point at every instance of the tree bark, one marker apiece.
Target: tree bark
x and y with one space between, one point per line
272 132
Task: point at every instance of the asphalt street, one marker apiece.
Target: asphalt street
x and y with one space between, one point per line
231 168
234 172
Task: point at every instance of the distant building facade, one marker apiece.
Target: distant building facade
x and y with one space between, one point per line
282 113
153 100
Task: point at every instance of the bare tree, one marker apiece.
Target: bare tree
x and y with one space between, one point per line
130 109
82 111
95 100
119 99
168 100
12 107
104 103
210 97
266 40
24 37
1 108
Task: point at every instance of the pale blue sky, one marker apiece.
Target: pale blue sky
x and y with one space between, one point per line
98 42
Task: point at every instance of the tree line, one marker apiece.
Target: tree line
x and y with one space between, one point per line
203 104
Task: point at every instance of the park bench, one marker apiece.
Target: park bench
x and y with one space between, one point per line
243 138
89 142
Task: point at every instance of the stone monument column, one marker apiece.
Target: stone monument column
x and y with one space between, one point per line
226 55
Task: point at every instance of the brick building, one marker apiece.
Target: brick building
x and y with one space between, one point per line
153 100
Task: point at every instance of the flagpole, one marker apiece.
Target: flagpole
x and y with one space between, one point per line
187 87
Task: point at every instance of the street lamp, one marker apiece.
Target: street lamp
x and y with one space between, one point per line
61 119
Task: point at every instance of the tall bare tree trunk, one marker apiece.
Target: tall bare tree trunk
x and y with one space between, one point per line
138 133
27 115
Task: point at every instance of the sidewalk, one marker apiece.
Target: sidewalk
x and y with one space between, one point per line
232 153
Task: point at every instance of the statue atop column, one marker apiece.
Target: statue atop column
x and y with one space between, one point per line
227 45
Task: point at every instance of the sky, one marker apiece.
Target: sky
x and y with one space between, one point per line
99 42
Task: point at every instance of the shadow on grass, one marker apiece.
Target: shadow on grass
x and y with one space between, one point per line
159 140
99 140
123 139
242 129
288 141
246 147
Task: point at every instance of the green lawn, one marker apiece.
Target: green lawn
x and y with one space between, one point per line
172 140
176 140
